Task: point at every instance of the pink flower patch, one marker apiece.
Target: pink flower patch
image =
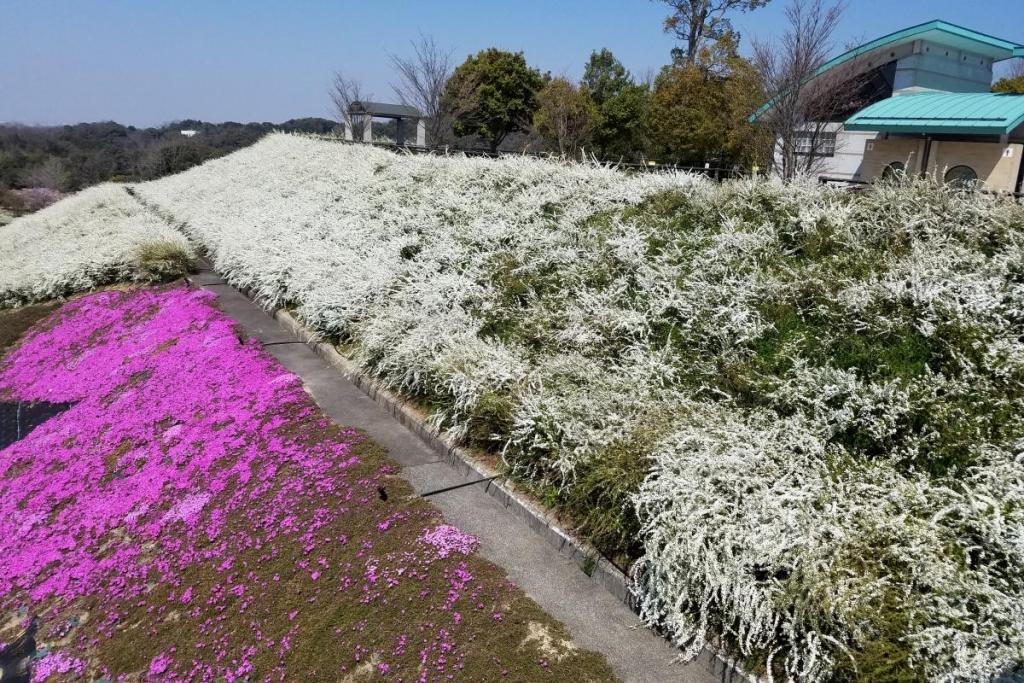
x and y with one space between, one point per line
55 663
447 539
160 664
187 508
176 434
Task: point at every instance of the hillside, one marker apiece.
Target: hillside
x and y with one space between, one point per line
799 411
38 163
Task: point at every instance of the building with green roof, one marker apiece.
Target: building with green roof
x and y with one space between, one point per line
919 100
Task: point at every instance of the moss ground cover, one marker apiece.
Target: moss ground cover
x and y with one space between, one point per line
194 517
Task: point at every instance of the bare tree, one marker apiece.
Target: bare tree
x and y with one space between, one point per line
422 79
802 108
344 91
1016 69
49 174
648 77
696 21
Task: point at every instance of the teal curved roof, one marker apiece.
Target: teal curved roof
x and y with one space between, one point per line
941 112
938 31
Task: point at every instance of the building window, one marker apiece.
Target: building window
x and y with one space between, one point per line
964 176
822 144
896 169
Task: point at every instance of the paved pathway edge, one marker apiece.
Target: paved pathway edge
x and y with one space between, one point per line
600 571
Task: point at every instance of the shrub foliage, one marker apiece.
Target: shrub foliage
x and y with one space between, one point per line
92 238
799 410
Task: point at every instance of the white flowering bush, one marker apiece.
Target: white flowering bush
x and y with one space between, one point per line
92 238
798 410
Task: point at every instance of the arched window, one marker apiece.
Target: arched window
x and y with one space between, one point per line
896 169
964 176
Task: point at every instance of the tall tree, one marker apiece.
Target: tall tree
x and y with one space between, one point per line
604 76
699 111
565 116
696 22
620 129
801 107
422 80
492 94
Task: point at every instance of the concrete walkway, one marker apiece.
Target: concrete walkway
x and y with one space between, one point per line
596 619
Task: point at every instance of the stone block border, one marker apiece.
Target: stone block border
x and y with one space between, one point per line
504 490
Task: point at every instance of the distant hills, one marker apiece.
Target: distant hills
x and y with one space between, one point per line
47 161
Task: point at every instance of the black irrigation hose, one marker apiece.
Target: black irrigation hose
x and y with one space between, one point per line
458 486
600 554
428 493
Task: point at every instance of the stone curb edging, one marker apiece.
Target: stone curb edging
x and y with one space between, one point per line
604 572
609 576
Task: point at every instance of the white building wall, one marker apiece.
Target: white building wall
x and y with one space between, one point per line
849 154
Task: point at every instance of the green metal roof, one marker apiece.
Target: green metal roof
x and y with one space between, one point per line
940 112
939 31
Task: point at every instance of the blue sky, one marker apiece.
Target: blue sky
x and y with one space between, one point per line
145 62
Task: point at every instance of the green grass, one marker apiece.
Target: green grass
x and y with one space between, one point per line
164 261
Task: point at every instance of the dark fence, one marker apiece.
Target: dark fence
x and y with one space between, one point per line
709 169
860 184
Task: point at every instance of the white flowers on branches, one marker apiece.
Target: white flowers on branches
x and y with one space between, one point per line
834 383
89 239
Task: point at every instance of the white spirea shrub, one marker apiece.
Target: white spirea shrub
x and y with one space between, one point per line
400 254
89 239
802 409
756 527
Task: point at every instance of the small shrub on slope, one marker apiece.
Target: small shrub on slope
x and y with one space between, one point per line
163 261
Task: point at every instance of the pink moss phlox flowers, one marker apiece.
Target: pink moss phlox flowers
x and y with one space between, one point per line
447 539
176 429
56 663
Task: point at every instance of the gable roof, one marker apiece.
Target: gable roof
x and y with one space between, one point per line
940 32
939 112
385 110
937 31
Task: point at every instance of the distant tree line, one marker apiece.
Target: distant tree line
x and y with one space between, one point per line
692 111
1013 81
38 164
